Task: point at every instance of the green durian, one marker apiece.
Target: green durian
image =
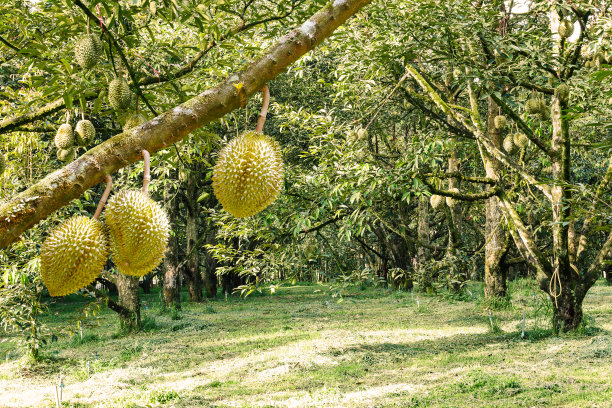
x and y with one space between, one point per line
64 138
119 94
73 255
66 155
566 29
500 122
87 51
84 132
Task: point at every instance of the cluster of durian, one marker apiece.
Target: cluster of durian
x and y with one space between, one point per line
88 50
248 175
65 138
135 233
599 59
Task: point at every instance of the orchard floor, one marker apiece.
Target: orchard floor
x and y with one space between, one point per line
302 348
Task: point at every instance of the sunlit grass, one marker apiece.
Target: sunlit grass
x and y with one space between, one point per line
304 348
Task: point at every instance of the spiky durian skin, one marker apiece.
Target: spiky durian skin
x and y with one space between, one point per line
64 137
73 255
566 29
509 144
138 230
87 51
66 155
134 120
563 92
520 139
248 176
84 132
533 106
500 122
119 94
436 201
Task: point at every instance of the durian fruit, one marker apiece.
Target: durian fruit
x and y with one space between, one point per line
2 163
119 94
87 51
509 144
500 122
138 231
84 132
436 201
544 113
533 106
563 92
64 138
520 139
73 255
450 201
134 120
248 175
566 29
66 155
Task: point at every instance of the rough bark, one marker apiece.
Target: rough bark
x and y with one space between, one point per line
495 235
130 302
423 253
26 209
172 287
191 272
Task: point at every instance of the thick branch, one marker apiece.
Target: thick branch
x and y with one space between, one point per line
57 189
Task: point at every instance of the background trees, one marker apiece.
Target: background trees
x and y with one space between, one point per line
400 105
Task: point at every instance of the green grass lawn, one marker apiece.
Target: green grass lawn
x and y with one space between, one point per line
302 348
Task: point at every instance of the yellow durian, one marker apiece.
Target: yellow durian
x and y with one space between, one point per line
248 176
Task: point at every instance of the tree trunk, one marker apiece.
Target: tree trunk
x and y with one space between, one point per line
564 281
459 272
210 268
423 254
192 272
495 234
130 302
172 287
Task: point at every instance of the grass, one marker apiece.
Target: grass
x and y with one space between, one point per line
303 348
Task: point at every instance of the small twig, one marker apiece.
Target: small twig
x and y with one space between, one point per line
109 186
147 172
261 120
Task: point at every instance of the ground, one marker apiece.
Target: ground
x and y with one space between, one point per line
301 347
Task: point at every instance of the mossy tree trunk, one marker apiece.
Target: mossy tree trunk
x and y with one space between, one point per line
495 231
423 254
129 300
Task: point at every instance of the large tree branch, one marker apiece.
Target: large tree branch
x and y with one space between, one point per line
57 189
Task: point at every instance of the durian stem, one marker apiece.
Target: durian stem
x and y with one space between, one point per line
147 172
264 109
109 186
83 114
88 27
